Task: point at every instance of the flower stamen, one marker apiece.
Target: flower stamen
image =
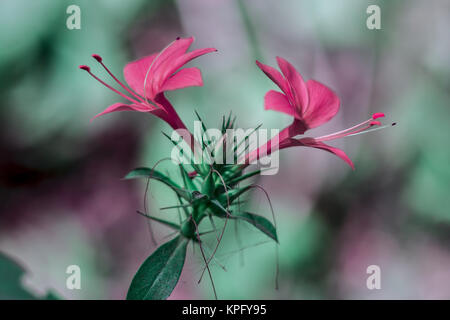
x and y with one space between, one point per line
357 129
374 129
100 60
88 70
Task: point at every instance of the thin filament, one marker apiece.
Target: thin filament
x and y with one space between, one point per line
204 258
346 134
120 83
374 129
111 88
345 130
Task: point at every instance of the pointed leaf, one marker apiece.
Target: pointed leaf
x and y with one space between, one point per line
164 222
217 208
259 222
159 274
234 181
190 159
156 175
188 183
233 194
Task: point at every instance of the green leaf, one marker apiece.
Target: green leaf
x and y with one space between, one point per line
259 222
51 296
208 184
232 194
245 138
188 183
227 125
156 175
217 208
162 221
188 159
238 179
11 288
159 274
11 274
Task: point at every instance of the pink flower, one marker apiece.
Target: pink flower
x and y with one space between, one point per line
151 76
311 104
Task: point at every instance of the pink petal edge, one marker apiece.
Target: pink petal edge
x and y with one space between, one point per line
299 91
187 77
277 101
122 107
311 142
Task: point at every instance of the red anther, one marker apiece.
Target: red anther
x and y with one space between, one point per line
178 38
377 115
375 123
97 57
83 67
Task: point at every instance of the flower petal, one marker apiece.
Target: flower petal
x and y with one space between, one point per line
136 71
277 101
323 104
298 87
274 75
311 142
174 50
162 65
177 63
186 77
124 107
164 60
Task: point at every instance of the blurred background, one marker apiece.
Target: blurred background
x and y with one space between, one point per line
63 201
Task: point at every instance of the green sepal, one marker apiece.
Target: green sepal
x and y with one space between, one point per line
217 208
209 184
162 221
156 175
192 162
188 183
232 195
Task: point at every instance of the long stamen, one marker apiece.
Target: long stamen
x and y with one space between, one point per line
374 129
346 134
88 70
331 135
100 60
339 133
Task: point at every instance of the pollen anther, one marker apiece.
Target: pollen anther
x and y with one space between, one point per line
377 115
97 57
86 68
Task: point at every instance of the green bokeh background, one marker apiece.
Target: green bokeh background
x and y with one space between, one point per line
63 202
